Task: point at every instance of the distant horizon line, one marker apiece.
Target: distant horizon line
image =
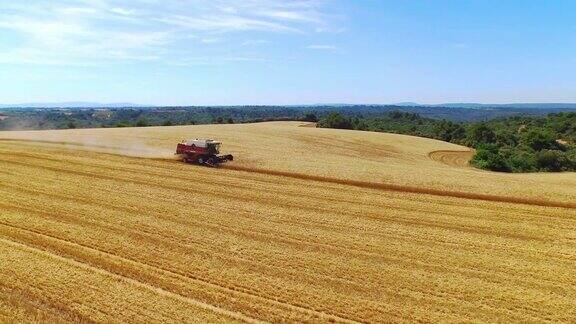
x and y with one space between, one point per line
87 104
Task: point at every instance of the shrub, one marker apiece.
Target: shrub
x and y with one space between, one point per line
449 131
506 138
488 157
540 140
142 122
521 161
553 160
480 134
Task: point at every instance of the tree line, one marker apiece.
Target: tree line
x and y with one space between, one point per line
521 143
513 144
27 119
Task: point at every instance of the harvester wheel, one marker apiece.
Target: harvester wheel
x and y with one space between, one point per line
200 160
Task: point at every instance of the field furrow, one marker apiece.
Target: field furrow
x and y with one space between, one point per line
91 233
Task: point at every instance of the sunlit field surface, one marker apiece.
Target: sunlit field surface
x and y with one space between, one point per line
306 224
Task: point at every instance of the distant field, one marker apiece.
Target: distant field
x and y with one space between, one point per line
306 224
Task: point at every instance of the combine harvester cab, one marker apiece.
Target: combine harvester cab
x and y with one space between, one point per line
202 152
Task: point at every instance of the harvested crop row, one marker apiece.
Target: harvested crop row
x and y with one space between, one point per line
452 158
262 247
234 245
345 155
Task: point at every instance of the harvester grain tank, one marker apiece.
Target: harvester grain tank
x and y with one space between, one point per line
202 152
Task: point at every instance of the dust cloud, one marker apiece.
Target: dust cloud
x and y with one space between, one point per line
89 142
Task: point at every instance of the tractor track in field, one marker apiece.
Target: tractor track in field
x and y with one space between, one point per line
157 240
97 259
169 175
459 159
453 158
375 216
408 189
121 273
239 287
56 309
374 185
58 253
218 227
347 248
264 199
157 236
338 249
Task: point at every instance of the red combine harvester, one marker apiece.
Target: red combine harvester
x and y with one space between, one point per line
202 151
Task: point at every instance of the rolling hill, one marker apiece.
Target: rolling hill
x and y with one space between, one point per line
306 224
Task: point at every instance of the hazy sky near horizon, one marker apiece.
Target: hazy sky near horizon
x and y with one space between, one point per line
197 52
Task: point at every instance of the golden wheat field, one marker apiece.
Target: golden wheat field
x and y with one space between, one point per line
306 225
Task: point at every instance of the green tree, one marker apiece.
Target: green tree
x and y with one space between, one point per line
540 140
142 122
360 124
521 161
449 131
488 157
480 134
506 137
310 117
553 160
336 120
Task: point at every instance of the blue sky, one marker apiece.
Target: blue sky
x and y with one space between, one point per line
197 52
